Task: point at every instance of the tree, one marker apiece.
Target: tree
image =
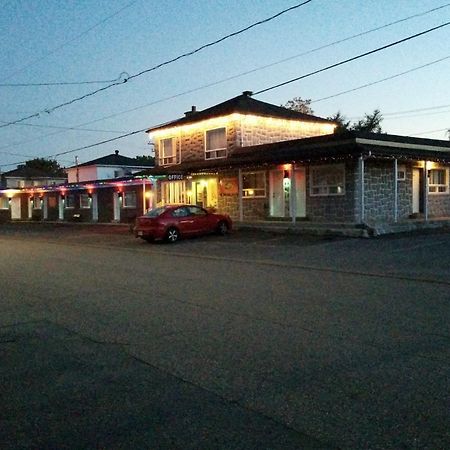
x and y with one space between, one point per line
342 123
49 166
299 105
370 123
145 160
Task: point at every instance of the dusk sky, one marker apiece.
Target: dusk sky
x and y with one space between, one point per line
46 41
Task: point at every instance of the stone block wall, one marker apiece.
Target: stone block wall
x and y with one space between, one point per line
439 205
335 208
379 177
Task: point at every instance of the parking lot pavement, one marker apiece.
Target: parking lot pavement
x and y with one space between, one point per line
338 343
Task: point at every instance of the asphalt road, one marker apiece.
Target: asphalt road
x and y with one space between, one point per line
248 341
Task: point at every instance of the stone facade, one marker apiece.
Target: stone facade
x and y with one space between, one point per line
335 208
242 132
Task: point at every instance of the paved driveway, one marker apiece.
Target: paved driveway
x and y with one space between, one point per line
247 341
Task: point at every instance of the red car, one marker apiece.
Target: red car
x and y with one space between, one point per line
174 221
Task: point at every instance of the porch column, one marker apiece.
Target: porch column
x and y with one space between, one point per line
361 182
60 207
95 207
395 190
240 186
293 195
425 190
143 196
45 208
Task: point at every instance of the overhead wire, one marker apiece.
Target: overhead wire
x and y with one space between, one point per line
158 66
64 44
215 83
354 58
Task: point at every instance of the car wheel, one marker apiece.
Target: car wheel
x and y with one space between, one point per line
222 228
172 235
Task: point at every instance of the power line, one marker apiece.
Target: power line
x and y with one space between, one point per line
64 44
381 80
165 63
64 128
354 58
275 86
123 75
223 80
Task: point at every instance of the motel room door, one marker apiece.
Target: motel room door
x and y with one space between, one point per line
276 192
417 191
300 192
15 208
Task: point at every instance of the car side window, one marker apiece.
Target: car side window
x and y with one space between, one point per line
180 212
196 211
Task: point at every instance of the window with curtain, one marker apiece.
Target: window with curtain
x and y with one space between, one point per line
129 199
327 180
167 151
216 143
253 184
438 181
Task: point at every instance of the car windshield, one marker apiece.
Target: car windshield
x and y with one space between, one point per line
156 212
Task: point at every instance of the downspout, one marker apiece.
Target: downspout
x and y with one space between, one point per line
425 187
362 181
240 185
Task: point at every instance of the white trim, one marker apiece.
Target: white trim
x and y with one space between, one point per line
402 145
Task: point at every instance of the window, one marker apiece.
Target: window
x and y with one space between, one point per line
438 181
129 199
85 201
167 151
254 184
4 203
181 212
37 202
216 143
401 173
70 201
327 180
174 192
197 211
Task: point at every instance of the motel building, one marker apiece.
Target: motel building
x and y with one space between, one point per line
260 162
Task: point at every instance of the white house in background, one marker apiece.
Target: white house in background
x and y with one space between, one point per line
104 168
24 177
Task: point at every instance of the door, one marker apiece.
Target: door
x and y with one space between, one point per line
276 192
300 192
15 208
116 203
416 191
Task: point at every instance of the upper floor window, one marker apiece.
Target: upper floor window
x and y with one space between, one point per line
216 143
327 180
438 181
167 151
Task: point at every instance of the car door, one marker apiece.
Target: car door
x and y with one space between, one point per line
200 219
183 220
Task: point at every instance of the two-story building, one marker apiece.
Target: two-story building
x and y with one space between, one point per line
257 161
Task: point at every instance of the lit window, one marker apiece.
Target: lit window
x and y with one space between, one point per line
438 181
401 173
4 203
37 202
327 180
167 151
70 201
129 199
254 184
85 201
216 143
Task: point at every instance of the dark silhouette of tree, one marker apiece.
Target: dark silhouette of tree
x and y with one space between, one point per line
48 166
300 105
370 123
145 160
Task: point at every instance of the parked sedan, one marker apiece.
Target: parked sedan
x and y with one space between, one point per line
174 221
